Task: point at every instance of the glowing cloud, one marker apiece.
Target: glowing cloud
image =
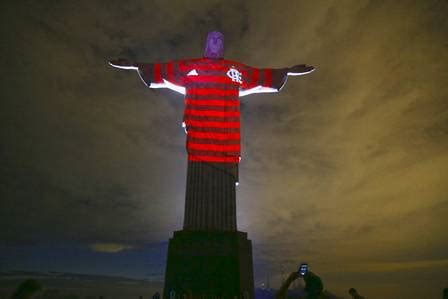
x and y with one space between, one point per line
109 247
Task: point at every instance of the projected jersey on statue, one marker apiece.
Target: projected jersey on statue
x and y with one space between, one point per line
212 87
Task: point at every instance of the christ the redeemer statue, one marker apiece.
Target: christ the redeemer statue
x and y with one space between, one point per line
212 87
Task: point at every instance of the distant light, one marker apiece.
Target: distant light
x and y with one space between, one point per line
109 247
237 183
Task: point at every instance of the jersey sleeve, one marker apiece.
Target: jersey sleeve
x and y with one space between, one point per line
164 75
255 80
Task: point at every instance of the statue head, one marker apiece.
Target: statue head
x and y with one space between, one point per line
214 46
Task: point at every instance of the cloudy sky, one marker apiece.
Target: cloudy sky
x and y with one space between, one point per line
346 168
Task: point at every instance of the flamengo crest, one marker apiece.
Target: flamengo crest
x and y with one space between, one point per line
234 74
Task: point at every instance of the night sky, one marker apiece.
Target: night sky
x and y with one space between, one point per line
345 168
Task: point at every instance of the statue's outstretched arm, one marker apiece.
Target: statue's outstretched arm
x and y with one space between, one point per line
155 75
300 69
269 80
122 63
279 76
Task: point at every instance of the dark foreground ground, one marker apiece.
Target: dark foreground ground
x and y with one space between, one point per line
56 285
79 286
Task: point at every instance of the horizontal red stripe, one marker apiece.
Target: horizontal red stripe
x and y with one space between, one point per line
211 113
213 159
208 135
212 124
213 141
213 147
212 102
212 108
212 91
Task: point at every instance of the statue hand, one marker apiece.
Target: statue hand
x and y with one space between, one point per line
301 69
122 63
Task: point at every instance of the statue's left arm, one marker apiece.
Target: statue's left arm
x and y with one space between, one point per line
270 80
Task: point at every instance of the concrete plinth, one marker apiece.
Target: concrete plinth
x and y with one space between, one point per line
205 264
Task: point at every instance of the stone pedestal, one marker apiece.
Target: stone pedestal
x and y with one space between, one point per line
205 264
209 258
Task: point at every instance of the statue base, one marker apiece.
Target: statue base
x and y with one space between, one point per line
209 264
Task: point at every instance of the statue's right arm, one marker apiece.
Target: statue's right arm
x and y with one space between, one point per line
122 63
144 70
155 75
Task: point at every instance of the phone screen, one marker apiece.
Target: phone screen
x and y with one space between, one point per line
303 269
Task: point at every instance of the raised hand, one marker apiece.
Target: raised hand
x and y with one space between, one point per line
293 276
122 63
300 69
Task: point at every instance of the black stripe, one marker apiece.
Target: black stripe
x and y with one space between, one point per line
194 90
213 153
220 73
215 130
248 80
213 85
176 73
212 108
212 118
261 78
163 71
211 97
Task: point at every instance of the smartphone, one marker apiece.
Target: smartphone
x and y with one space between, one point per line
303 269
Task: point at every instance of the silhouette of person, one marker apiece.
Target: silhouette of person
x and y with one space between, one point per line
313 285
354 293
281 293
26 289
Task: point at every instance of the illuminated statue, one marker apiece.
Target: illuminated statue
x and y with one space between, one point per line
212 86
221 262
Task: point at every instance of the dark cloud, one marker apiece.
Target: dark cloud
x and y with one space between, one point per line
351 156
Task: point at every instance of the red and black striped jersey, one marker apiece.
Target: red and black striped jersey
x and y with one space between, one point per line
212 88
